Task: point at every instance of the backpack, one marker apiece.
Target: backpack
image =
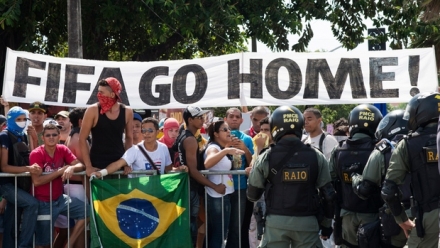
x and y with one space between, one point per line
21 158
321 140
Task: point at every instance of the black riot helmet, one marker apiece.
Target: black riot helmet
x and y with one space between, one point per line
391 125
422 109
286 120
364 118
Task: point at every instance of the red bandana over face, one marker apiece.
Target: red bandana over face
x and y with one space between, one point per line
106 103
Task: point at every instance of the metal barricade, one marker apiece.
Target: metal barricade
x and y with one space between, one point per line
86 197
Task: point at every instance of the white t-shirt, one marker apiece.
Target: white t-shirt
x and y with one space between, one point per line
328 144
223 165
137 160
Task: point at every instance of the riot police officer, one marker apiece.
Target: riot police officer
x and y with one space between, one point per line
417 155
390 131
350 158
290 174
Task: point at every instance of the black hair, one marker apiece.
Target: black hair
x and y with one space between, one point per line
151 120
315 112
214 128
75 115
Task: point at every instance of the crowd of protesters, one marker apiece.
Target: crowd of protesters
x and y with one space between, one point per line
109 136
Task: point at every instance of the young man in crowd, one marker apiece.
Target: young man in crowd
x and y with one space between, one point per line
12 161
37 114
317 138
137 123
135 158
238 198
106 121
61 163
188 149
257 114
63 120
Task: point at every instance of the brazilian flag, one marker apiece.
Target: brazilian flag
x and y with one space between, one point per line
141 212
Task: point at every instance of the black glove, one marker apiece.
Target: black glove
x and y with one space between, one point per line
326 231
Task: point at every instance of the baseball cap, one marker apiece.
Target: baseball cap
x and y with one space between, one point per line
50 121
192 112
62 113
115 85
137 116
37 106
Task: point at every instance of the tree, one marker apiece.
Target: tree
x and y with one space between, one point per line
150 30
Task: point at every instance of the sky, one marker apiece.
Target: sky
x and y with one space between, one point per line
322 40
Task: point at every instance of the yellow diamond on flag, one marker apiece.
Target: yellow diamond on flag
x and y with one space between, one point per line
137 218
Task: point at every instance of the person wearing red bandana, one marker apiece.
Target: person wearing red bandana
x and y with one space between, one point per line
106 120
170 134
257 114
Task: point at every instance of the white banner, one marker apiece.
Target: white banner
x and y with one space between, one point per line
242 79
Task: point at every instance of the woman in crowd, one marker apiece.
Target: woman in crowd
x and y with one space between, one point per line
218 157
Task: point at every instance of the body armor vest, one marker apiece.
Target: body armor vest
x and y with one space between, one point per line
425 179
351 158
291 190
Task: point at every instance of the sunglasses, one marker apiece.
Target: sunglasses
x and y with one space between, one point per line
53 135
149 130
225 129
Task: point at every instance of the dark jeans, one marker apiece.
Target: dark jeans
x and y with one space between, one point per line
219 214
248 211
29 206
238 204
194 212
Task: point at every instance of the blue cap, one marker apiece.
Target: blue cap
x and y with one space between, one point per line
137 116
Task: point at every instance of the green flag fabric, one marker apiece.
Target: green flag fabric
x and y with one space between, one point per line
148 211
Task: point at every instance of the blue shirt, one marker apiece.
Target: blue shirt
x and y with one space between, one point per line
249 144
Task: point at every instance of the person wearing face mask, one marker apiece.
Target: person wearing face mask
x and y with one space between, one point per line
15 159
170 133
106 120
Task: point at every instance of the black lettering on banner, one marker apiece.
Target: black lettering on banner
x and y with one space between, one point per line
271 80
109 72
146 83
377 76
179 84
71 84
334 85
414 68
22 79
53 82
255 78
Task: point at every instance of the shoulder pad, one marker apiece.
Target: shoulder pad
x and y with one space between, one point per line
383 146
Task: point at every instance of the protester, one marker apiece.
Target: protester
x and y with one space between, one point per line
257 114
188 149
153 156
37 114
75 187
106 121
61 163
170 134
219 158
317 138
15 159
261 142
63 120
137 123
238 198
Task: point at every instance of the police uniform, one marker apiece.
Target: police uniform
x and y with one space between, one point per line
374 172
417 157
300 227
354 210
290 174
